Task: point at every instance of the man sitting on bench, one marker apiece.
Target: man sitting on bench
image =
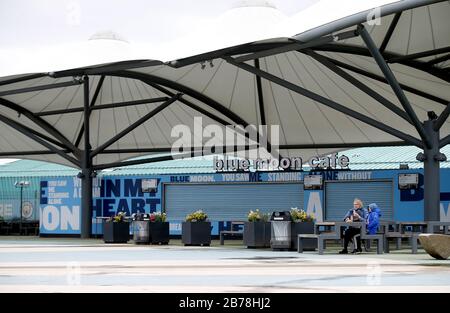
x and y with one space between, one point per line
357 214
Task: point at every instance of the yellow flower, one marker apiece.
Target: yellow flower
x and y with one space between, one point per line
301 216
256 216
197 216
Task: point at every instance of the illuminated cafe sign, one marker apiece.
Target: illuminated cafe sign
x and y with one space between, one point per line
294 163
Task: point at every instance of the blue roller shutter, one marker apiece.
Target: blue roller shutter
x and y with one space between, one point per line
339 197
226 202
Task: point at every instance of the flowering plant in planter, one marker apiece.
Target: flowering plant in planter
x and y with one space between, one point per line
197 216
118 218
301 216
158 217
303 224
116 229
257 230
196 230
256 216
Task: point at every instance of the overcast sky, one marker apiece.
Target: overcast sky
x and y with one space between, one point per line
25 23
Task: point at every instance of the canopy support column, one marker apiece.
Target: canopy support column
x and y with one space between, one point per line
86 169
431 158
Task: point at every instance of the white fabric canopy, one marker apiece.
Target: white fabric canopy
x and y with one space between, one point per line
212 87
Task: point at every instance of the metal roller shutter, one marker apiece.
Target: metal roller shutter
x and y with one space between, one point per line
339 197
226 202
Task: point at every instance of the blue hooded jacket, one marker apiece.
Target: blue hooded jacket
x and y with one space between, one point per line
373 219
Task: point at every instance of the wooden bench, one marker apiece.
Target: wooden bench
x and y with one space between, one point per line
231 232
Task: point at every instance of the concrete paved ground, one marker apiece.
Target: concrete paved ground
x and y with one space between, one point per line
30 264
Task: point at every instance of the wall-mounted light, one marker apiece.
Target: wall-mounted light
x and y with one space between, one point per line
149 185
312 182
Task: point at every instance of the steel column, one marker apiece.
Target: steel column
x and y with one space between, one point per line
431 158
86 169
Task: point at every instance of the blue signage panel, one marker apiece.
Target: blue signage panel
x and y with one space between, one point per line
60 206
60 198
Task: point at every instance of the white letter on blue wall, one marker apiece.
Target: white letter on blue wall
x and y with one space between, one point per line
315 206
70 217
50 217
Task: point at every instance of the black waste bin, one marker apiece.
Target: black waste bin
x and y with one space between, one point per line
280 230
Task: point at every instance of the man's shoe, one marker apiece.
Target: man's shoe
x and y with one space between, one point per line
357 251
343 251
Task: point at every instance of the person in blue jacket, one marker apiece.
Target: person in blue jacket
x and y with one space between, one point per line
373 218
356 214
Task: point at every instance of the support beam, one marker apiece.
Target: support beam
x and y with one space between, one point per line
385 102
383 80
171 156
21 79
327 102
148 78
262 113
140 161
210 115
390 31
349 145
105 69
135 125
151 80
415 64
24 130
394 84
169 149
191 105
22 153
103 106
445 141
86 169
39 88
281 147
418 55
94 99
46 138
42 124
296 46
439 59
442 118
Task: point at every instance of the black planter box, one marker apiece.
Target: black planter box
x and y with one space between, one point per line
257 234
159 232
303 228
196 233
116 232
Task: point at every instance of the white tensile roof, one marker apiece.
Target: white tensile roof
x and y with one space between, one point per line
223 93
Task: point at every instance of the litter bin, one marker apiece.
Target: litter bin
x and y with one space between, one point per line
280 230
141 229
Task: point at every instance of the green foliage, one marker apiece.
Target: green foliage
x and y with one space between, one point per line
256 216
301 216
197 216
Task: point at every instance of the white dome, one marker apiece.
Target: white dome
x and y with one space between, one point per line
107 35
254 3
